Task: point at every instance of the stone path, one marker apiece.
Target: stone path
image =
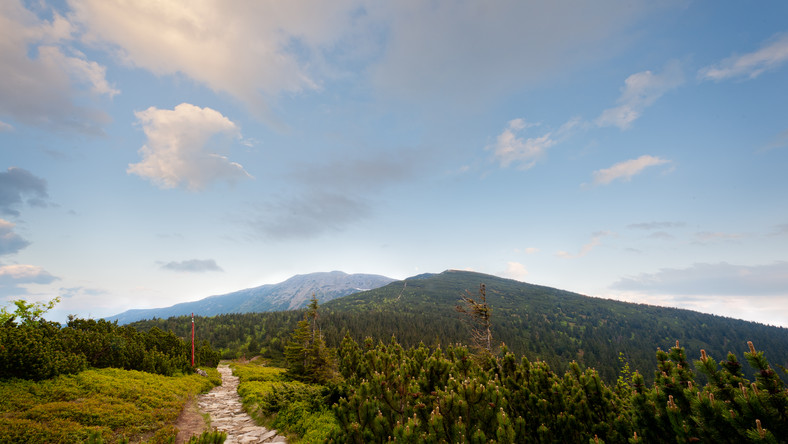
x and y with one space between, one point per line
227 413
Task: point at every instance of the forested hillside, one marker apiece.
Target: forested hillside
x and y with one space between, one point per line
540 323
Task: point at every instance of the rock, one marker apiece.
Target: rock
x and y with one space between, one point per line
202 372
227 414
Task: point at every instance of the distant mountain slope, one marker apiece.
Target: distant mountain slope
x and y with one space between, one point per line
288 295
553 325
538 322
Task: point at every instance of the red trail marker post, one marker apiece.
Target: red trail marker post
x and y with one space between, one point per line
192 339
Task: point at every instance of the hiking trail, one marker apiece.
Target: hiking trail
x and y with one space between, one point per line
228 415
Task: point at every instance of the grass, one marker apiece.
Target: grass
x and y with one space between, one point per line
118 404
290 407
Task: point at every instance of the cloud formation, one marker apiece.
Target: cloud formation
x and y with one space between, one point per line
626 170
179 149
19 186
640 91
247 49
712 279
656 225
750 65
192 266
515 270
44 79
310 215
509 148
440 49
13 275
10 242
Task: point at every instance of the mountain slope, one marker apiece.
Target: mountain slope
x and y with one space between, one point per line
288 295
534 321
555 325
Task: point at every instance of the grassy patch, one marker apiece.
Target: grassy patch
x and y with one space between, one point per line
289 406
116 403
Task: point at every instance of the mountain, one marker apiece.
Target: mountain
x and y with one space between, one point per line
288 295
540 323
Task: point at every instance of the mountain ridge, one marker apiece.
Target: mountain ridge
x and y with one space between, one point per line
292 293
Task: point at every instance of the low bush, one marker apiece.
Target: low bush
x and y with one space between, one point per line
104 405
289 406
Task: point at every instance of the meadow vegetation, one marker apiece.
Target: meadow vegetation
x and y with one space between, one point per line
103 405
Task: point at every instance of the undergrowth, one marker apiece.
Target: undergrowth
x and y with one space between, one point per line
298 409
105 405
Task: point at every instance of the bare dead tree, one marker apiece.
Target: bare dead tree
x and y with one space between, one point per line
478 315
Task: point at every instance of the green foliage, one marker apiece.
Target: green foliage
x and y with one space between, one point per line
308 357
40 350
441 395
27 312
541 323
209 437
289 406
106 405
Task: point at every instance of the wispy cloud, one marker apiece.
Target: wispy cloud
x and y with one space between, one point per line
712 279
10 242
177 152
440 49
309 215
511 147
705 237
595 241
192 266
19 186
656 225
640 91
626 170
751 65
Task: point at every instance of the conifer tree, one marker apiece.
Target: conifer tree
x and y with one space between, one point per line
308 357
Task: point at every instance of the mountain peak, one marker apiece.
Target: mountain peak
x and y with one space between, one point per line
290 294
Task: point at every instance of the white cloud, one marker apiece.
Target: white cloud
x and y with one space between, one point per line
750 65
12 275
531 250
595 241
177 151
245 48
515 270
640 91
626 170
509 148
43 77
192 266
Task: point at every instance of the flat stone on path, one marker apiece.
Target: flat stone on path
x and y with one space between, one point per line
227 413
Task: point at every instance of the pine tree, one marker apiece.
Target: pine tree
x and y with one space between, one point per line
308 357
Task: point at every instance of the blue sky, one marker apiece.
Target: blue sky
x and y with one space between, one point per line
161 152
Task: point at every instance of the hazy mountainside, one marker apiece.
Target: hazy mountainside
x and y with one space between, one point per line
288 295
541 323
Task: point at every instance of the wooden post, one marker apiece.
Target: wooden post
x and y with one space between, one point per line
192 339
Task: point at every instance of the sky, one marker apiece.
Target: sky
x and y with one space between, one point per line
153 153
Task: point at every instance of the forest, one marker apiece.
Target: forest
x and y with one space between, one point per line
540 323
